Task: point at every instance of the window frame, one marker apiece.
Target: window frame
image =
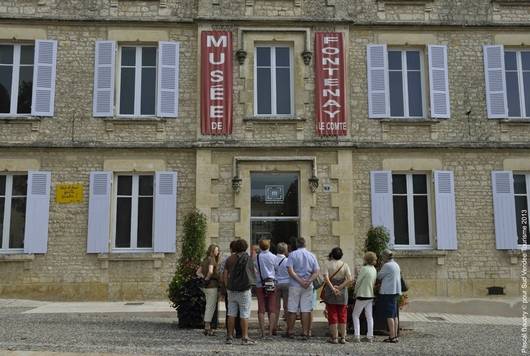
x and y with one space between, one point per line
404 82
134 213
527 181
410 205
520 82
7 213
15 78
137 83
273 67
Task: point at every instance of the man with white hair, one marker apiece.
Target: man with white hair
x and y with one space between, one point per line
390 277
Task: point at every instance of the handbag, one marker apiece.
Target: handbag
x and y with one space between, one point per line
269 286
318 281
323 291
404 286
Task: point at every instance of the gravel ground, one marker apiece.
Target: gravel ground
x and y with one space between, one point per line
158 335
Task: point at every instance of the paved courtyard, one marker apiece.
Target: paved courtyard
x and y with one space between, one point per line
26 331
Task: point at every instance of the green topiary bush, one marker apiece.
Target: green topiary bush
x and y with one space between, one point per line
184 289
377 239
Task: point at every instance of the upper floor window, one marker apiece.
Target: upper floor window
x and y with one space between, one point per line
13 196
405 75
137 81
517 69
16 78
273 84
521 185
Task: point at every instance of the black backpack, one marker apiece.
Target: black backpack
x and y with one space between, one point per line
242 276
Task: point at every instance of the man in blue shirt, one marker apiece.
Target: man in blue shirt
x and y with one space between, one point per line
265 287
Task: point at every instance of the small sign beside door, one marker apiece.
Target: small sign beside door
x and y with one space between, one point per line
69 193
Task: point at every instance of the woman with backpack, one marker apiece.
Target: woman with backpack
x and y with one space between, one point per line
209 271
337 278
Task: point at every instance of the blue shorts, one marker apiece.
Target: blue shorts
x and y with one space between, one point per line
388 304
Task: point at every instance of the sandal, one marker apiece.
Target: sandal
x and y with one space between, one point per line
392 340
247 341
211 332
333 340
288 336
342 340
205 332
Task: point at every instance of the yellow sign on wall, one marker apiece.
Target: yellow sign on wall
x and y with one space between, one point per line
69 193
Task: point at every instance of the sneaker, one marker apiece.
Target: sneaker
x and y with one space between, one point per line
229 341
247 341
356 339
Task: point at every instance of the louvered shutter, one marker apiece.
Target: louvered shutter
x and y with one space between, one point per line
37 212
382 207
99 212
45 59
495 82
504 210
378 94
168 79
165 219
445 210
104 71
439 82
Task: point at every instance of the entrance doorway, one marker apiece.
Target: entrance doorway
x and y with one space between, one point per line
274 208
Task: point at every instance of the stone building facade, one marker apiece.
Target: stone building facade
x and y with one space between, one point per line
65 254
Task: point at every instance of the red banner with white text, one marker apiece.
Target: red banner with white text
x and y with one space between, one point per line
330 109
216 83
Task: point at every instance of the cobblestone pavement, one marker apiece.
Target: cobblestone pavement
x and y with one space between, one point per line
157 334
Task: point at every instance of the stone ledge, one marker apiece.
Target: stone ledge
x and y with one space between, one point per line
25 258
105 258
273 120
438 254
512 2
517 122
403 121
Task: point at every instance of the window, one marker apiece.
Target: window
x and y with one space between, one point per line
521 183
13 190
410 196
138 81
517 67
16 79
405 79
273 85
134 212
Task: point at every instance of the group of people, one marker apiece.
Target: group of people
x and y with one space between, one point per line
291 279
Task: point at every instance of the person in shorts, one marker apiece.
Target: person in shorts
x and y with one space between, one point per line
390 277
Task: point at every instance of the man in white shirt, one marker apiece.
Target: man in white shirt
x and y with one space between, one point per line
390 277
266 287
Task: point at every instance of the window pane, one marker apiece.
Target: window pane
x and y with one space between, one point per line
25 86
401 222
413 60
415 94
526 86
283 91
124 185
274 194
128 56
127 91
145 185
18 223
6 75
2 185
2 202
396 93
394 60
264 90
145 222
525 60
263 56
282 57
512 94
123 222
149 56
399 184
521 205
27 54
510 60
148 91
276 231
519 184
419 184
20 185
6 54
421 220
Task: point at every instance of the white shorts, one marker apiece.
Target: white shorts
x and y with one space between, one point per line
300 300
239 303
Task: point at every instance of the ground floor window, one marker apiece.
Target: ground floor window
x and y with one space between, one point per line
13 195
521 183
134 212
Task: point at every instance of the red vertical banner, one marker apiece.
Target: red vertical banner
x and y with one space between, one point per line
216 83
330 109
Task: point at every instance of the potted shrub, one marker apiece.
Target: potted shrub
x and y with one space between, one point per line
184 289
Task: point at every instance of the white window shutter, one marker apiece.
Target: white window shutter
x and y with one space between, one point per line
104 72
378 94
445 210
45 60
164 234
37 212
382 206
439 82
495 82
504 210
99 212
168 79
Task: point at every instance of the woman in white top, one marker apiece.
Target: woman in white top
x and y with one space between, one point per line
337 278
364 297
